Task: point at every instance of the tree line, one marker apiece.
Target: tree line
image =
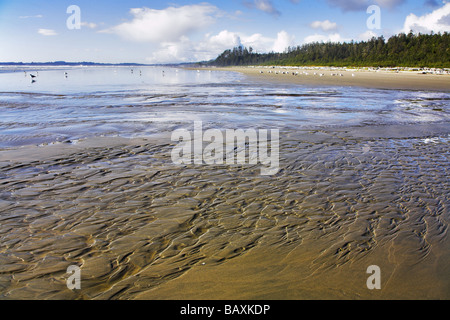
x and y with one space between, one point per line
402 50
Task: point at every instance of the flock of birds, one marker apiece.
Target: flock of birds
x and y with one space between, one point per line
66 75
140 72
305 73
34 76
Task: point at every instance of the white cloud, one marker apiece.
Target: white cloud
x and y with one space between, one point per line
389 3
225 39
283 41
325 25
436 21
185 50
258 42
167 25
90 25
334 37
359 5
28 17
369 34
350 5
172 52
266 6
47 32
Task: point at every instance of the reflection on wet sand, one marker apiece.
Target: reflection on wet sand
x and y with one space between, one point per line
141 227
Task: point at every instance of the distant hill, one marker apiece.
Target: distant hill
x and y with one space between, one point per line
402 50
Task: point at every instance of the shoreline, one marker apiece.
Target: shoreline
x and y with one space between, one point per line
51 151
404 80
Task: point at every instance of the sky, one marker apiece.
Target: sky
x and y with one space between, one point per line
147 31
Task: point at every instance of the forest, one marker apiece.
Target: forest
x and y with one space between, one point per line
402 50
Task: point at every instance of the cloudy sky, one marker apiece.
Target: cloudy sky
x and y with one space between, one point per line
147 31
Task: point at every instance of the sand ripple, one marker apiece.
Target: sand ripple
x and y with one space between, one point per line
134 221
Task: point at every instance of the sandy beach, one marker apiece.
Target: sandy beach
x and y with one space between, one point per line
407 80
363 181
141 228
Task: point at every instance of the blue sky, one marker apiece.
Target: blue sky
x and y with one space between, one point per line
180 31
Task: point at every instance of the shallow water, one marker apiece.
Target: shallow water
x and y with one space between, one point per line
116 101
363 181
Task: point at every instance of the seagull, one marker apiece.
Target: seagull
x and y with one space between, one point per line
32 76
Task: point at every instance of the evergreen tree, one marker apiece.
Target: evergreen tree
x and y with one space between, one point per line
411 50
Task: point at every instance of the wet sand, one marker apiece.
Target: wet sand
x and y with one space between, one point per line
407 80
141 227
363 181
